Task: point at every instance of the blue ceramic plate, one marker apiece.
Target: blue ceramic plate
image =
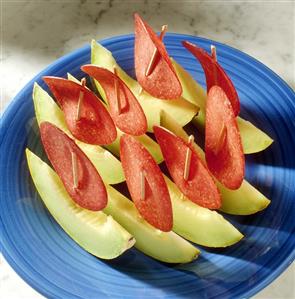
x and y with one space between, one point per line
44 256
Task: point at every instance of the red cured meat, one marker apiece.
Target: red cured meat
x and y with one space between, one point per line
131 118
156 206
200 186
223 146
162 82
89 192
215 75
94 125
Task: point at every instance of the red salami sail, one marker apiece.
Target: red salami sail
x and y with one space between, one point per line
85 115
223 146
215 75
146 184
153 68
124 107
190 175
79 176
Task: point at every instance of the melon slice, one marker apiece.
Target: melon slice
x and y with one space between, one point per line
244 201
106 164
253 139
181 108
96 232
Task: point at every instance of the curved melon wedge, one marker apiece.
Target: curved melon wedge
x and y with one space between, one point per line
146 141
244 201
164 246
96 232
198 224
108 166
253 139
182 109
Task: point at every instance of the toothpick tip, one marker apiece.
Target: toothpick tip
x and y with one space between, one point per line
164 27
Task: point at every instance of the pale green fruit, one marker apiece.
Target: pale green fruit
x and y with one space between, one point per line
96 232
253 139
244 201
146 141
182 109
198 224
164 246
46 109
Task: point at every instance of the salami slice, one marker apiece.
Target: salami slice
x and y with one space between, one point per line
223 146
124 107
215 75
190 174
146 184
161 80
85 115
79 176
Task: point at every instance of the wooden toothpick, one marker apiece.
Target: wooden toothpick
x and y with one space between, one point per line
154 56
220 140
213 53
74 169
214 56
188 157
81 97
80 101
142 185
117 92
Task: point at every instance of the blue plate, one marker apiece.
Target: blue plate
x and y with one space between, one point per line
44 256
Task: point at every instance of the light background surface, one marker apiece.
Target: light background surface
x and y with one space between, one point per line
35 33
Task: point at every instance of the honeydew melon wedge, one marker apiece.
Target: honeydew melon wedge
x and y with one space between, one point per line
102 235
244 201
164 246
181 108
198 224
96 232
146 141
253 139
46 109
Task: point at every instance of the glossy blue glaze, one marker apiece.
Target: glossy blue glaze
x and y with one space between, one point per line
43 255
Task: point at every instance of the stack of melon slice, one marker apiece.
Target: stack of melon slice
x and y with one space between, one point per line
119 226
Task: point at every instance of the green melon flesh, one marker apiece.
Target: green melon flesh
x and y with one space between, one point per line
182 109
198 224
108 166
102 235
253 139
146 141
96 232
164 246
244 201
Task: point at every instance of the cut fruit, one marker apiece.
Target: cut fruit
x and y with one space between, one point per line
215 75
199 185
146 184
85 115
244 201
123 105
106 164
152 147
181 108
79 176
223 147
198 224
146 141
166 247
153 68
253 139
96 232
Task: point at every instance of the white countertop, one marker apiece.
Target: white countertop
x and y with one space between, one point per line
36 32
